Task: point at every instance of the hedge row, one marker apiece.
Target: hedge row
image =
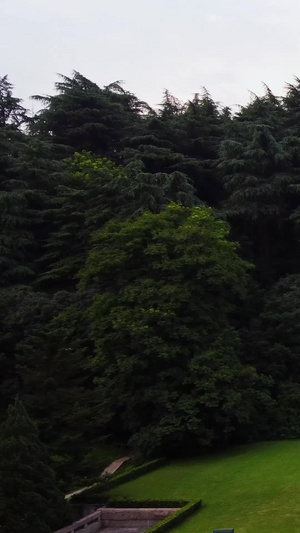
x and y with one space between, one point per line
134 473
176 518
149 503
108 483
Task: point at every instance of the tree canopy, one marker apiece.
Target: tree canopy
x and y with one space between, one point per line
149 265
166 346
29 498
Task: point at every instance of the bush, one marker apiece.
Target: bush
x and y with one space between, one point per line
134 473
148 503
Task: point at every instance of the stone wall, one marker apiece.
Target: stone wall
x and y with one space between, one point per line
141 519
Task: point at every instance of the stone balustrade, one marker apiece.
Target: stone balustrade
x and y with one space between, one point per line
142 519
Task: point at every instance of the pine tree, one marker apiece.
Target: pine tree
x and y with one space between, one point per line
273 346
203 126
274 338
259 178
14 235
291 106
29 498
266 110
23 314
12 113
84 116
90 196
52 364
29 170
181 138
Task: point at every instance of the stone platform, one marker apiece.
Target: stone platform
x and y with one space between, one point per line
111 520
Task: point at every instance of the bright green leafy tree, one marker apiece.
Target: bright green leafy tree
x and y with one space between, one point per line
98 191
167 354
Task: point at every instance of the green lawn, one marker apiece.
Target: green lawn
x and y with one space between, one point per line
254 489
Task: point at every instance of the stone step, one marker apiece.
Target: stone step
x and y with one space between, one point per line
108 471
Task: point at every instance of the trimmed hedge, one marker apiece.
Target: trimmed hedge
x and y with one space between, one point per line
176 518
134 473
108 483
149 503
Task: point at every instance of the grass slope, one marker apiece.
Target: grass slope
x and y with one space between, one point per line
254 489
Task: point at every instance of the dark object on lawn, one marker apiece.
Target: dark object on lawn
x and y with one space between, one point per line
223 531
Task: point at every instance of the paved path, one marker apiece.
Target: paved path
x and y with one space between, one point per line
108 471
114 466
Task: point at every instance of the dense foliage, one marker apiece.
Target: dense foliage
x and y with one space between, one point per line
166 352
29 498
150 263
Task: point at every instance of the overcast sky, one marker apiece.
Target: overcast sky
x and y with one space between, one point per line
228 46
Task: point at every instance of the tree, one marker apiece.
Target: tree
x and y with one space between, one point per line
29 498
97 190
266 110
14 234
23 314
274 334
12 113
181 138
291 103
91 195
29 169
84 116
45 347
258 178
273 347
203 126
167 358
56 380
157 146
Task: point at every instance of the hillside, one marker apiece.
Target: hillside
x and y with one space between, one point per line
251 488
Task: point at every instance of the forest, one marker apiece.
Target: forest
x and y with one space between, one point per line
149 275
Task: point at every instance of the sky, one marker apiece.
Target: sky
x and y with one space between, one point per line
228 46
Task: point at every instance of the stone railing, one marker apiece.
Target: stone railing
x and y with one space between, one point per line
118 518
88 524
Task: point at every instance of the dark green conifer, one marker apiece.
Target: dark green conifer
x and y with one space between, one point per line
29 498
